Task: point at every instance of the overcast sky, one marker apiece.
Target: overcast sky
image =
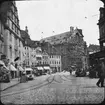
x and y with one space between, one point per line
58 15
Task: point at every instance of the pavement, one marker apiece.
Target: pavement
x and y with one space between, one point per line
13 82
58 88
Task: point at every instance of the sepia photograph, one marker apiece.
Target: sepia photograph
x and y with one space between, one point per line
52 52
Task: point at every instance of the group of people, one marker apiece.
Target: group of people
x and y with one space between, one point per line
5 69
99 70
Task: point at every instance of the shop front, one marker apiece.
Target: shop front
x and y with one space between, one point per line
20 70
13 71
47 69
96 57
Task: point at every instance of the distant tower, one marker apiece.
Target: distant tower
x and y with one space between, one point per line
71 29
26 29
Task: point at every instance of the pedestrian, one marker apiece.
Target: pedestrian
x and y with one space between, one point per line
101 73
70 71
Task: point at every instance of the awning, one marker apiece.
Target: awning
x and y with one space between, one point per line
39 56
40 68
46 67
6 67
28 69
2 63
20 68
12 68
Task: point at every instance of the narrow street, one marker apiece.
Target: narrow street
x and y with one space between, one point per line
59 88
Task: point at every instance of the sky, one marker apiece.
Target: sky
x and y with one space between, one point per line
45 18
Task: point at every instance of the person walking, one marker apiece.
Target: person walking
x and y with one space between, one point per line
101 74
70 70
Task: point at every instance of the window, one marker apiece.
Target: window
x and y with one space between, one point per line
15 29
19 54
104 44
13 18
10 52
12 26
13 8
17 22
1 29
10 36
15 41
11 15
1 48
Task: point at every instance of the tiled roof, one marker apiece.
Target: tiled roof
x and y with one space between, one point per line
27 41
66 37
24 34
34 44
93 48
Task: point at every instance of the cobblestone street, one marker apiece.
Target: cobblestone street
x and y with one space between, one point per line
59 88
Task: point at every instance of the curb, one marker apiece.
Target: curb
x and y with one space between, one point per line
9 87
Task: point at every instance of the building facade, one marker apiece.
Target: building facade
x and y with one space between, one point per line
71 47
4 7
26 47
54 56
12 38
55 62
45 58
1 38
101 24
97 56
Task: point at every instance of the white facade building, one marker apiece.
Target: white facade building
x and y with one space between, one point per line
55 63
27 57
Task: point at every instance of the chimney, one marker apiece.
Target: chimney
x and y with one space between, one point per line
26 29
71 29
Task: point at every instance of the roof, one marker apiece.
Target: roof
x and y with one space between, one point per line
93 47
66 37
27 40
12 68
56 38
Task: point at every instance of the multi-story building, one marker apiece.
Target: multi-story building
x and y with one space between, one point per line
55 62
4 7
1 38
26 47
101 24
34 47
12 38
32 50
71 47
95 57
38 53
45 58
54 56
